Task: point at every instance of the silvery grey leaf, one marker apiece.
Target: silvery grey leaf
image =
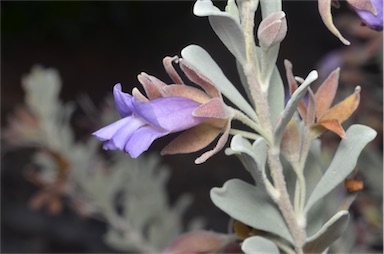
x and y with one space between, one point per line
344 161
251 206
259 245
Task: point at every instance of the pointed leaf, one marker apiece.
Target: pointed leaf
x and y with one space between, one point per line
250 206
292 104
335 126
344 161
214 108
203 62
259 245
330 232
343 109
192 140
253 156
226 26
325 94
275 95
302 108
219 145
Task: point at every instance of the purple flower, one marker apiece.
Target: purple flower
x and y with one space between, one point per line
201 114
143 122
372 17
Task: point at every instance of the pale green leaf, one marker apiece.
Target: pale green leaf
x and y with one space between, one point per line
259 245
292 104
253 156
251 206
203 62
226 26
344 161
275 95
269 6
329 233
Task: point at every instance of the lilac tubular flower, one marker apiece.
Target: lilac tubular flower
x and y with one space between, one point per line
143 122
372 20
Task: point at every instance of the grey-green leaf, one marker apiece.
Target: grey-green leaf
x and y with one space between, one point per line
269 6
225 25
344 161
292 105
259 245
248 204
203 62
253 156
329 233
275 94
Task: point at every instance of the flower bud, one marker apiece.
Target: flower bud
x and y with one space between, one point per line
272 30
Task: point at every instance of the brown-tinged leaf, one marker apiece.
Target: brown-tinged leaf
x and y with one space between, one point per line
333 125
167 62
199 79
138 95
293 86
192 140
325 94
215 108
220 144
311 110
152 85
343 109
290 143
187 92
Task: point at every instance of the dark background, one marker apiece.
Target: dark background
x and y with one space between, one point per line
95 45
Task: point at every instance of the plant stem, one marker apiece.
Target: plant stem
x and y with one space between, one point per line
283 202
245 134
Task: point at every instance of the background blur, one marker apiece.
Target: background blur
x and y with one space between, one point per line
95 45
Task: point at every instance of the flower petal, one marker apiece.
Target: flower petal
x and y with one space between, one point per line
365 5
171 113
107 132
370 11
123 101
142 140
326 15
122 135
